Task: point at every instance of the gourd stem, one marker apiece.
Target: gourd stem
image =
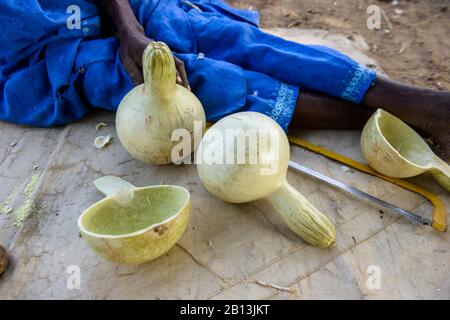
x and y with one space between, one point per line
159 68
110 185
302 217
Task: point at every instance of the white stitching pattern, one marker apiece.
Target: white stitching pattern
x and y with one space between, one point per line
284 103
361 75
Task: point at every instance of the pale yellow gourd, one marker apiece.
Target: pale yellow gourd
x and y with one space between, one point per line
135 225
248 181
394 149
150 113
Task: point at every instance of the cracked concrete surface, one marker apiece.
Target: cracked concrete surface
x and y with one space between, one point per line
224 245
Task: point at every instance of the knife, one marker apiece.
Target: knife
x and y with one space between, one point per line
360 194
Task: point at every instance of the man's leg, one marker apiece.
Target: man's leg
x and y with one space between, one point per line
318 111
326 71
316 68
414 105
428 110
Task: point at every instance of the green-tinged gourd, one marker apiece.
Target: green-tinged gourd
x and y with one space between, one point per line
394 149
148 115
234 179
134 225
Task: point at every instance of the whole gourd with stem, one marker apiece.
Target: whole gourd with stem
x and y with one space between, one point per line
149 114
241 180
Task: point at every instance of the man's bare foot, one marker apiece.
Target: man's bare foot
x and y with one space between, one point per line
427 110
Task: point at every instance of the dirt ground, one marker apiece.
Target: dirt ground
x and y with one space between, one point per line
413 45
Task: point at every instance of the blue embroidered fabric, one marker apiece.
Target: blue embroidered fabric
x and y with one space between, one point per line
51 75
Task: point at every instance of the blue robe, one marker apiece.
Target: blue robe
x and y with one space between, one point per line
52 75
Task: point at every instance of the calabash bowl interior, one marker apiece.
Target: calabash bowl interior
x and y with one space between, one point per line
141 209
408 144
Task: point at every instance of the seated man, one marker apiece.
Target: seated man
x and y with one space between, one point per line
53 72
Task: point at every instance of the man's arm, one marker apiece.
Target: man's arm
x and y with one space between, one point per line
122 15
133 40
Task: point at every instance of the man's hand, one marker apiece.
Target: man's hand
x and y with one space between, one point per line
133 41
132 46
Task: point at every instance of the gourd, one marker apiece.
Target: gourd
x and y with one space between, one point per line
394 149
134 225
239 182
149 114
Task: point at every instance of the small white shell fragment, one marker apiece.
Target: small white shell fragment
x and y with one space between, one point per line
100 125
102 141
